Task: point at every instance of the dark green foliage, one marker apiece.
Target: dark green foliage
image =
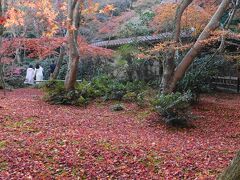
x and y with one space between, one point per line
138 26
130 96
102 86
55 93
147 17
117 107
173 107
172 104
141 100
136 86
63 71
15 81
198 78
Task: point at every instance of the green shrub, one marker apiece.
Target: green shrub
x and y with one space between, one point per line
117 107
15 81
141 100
136 86
82 101
85 91
172 104
55 92
101 85
130 96
198 78
174 107
116 90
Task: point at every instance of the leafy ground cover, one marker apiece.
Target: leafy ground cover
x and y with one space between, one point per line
38 140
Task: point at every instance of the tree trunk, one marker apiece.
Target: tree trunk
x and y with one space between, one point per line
168 63
197 47
233 171
71 77
74 15
18 56
130 69
228 23
59 63
168 70
2 82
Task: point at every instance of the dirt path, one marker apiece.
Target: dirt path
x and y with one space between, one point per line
38 140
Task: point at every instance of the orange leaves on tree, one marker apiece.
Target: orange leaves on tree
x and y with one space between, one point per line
15 17
107 9
214 38
112 26
92 9
45 12
37 13
194 17
46 46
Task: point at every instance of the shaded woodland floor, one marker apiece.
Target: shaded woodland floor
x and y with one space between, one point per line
38 140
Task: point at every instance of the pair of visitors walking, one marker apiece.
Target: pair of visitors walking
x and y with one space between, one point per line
32 74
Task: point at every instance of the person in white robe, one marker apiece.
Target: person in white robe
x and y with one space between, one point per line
30 75
38 73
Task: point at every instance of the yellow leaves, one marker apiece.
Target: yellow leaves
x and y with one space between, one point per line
107 9
94 8
72 28
26 12
51 31
91 9
15 18
143 56
167 45
194 17
215 37
46 14
63 7
28 4
232 57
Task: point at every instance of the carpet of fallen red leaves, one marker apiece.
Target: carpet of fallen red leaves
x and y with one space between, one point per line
42 141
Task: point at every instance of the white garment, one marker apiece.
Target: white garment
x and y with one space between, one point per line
39 74
30 76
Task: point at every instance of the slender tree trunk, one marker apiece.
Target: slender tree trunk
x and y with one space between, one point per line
233 171
197 47
130 68
18 56
59 63
2 82
4 5
228 23
74 15
168 63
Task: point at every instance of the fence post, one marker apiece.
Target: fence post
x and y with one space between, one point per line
238 78
238 84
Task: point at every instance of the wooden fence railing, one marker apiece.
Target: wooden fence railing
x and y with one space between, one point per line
55 80
228 82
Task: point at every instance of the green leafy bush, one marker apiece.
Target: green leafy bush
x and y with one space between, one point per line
198 78
55 93
173 107
130 96
15 81
117 107
102 86
172 104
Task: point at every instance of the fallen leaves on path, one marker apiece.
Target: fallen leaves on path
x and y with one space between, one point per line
38 140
